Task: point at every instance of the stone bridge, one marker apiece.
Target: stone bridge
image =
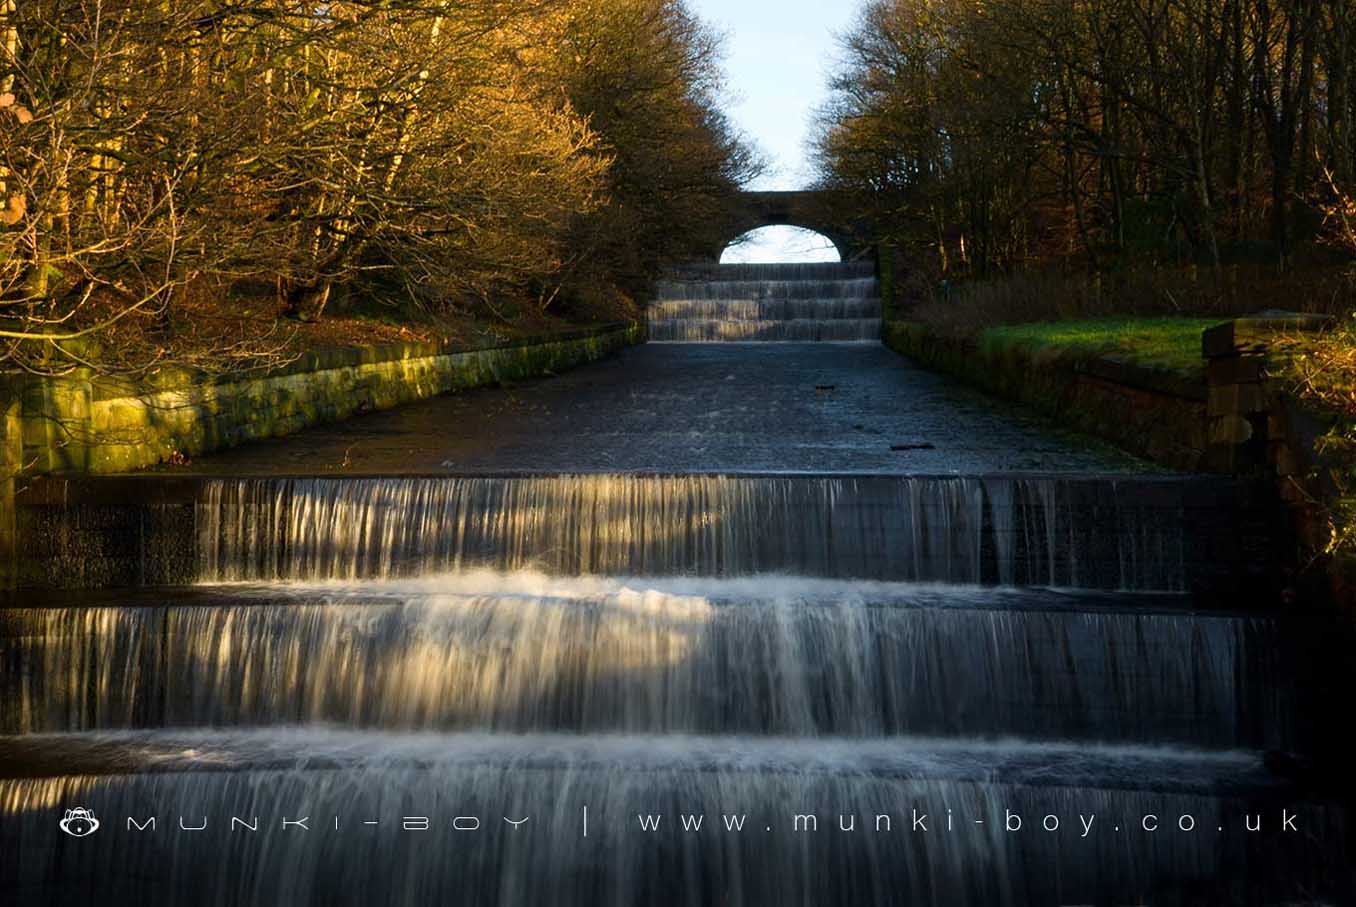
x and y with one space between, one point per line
810 209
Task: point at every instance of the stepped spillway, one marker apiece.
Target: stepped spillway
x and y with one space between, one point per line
587 646
411 665
778 303
1050 531
360 654
527 652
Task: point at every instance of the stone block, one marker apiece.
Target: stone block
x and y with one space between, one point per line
55 417
1235 369
1229 430
1235 400
1253 333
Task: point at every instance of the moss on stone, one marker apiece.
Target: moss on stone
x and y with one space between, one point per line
1153 413
104 426
1170 343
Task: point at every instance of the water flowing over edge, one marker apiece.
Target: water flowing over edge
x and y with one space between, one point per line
1054 532
773 655
613 821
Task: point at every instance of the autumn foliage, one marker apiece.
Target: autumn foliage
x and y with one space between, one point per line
1007 135
437 154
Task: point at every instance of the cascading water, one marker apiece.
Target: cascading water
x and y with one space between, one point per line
1050 531
693 669
589 689
527 652
784 303
489 819
670 689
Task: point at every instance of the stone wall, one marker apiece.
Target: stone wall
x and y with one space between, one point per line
103 425
82 425
1158 414
1257 427
1233 421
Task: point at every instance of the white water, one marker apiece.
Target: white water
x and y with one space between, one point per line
529 652
1012 531
765 647
777 303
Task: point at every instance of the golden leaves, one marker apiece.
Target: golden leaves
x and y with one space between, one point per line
19 111
13 212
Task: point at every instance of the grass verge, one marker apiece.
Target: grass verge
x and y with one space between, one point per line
1173 343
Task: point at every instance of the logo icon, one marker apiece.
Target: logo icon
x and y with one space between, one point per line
79 823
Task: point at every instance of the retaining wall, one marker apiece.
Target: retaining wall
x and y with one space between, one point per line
11 449
82 424
1230 419
1158 414
105 425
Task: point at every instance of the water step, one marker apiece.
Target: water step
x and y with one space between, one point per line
1131 534
776 271
772 655
856 288
1209 536
801 330
475 819
302 749
763 309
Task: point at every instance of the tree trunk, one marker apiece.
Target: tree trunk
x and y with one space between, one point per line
305 300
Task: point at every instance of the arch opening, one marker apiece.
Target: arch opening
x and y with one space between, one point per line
780 244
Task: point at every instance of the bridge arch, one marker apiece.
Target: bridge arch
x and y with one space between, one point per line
781 243
807 209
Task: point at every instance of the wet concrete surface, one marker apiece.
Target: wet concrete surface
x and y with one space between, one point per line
822 408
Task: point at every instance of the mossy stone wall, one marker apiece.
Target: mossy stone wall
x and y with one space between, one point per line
95 425
1157 414
1235 420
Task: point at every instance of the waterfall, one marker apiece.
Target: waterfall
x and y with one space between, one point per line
816 270
1028 531
740 310
592 689
781 303
777 656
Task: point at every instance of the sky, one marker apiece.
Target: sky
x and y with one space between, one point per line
778 55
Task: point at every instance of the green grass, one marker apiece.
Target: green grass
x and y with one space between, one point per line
1169 342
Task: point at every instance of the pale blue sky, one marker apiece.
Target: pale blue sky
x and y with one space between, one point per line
778 54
